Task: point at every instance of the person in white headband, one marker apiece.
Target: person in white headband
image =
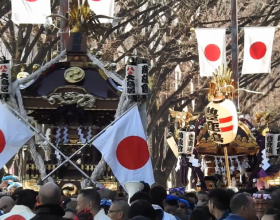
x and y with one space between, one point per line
263 202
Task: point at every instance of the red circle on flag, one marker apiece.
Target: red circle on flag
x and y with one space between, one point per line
15 217
132 152
2 141
212 52
31 0
257 50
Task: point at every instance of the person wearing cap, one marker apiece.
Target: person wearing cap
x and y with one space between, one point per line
171 205
183 208
263 202
13 186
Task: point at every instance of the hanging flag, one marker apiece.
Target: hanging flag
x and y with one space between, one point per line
258 43
31 11
103 7
211 44
13 135
124 148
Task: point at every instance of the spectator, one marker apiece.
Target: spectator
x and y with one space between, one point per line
107 194
105 205
192 199
139 218
88 201
69 214
271 214
70 207
242 208
147 187
206 210
275 196
140 195
6 204
50 203
158 195
25 204
198 215
219 203
263 202
171 205
142 208
118 211
202 198
13 186
183 208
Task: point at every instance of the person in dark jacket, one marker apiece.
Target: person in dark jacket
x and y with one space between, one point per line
242 208
50 201
219 203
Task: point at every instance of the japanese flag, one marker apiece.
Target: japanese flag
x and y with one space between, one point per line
124 148
31 11
13 135
258 42
103 7
211 44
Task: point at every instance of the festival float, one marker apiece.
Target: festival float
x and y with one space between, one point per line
222 148
67 102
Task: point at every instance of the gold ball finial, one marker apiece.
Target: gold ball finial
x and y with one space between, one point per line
35 67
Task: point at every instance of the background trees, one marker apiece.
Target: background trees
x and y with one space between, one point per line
160 31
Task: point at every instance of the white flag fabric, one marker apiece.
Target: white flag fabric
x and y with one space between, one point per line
211 44
258 42
103 7
31 11
13 135
124 148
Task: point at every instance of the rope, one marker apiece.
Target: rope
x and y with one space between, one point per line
17 104
31 143
38 72
117 78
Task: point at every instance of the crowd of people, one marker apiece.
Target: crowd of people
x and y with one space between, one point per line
149 204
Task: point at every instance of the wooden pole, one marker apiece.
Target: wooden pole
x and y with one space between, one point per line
227 166
64 35
234 49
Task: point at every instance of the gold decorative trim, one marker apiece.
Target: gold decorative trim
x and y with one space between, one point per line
69 189
104 76
70 98
30 184
74 74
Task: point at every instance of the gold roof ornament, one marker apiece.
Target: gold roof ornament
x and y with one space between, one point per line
263 117
82 19
222 83
184 118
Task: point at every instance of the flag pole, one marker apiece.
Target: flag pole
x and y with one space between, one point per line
234 50
68 159
64 32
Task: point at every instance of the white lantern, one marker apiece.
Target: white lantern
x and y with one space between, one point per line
272 144
131 77
5 79
222 120
186 142
142 79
